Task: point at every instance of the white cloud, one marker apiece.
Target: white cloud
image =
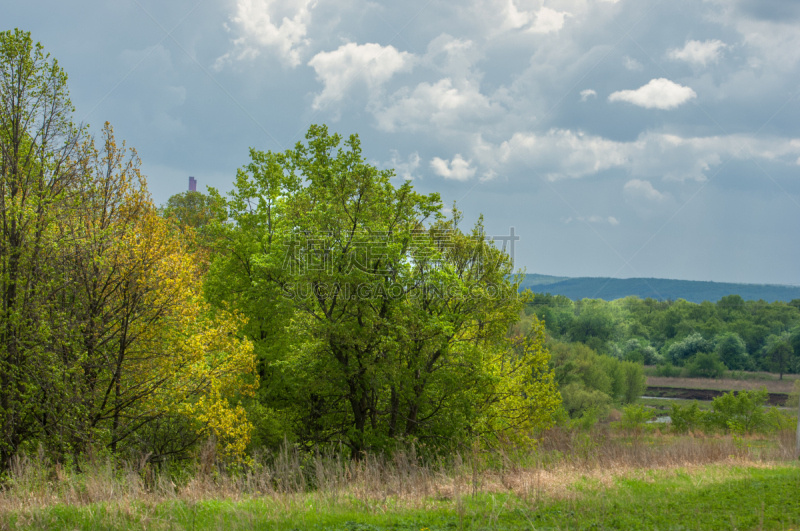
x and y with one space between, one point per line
404 169
258 30
631 63
459 169
548 20
452 57
586 93
558 153
659 93
637 190
563 153
698 53
445 104
369 63
502 17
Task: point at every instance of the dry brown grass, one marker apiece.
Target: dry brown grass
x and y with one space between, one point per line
290 480
773 386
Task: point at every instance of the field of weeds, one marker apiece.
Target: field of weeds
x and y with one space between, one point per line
574 480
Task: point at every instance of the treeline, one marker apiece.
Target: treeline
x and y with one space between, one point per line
681 337
317 303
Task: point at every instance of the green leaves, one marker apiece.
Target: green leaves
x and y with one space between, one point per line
385 317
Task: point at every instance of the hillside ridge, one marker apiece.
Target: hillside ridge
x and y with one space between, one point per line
607 288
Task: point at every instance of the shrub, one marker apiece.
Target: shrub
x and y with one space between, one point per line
577 400
732 351
687 418
777 420
634 418
690 346
705 365
742 412
634 381
668 370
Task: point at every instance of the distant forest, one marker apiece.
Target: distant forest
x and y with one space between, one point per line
610 289
704 339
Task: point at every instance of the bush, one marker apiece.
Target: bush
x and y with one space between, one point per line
587 379
777 420
732 351
687 418
634 418
668 370
742 412
705 365
689 347
577 400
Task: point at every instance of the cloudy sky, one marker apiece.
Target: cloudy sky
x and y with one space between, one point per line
619 138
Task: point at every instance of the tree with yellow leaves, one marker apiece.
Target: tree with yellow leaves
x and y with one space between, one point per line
157 363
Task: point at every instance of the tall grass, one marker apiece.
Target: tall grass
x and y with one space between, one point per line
293 479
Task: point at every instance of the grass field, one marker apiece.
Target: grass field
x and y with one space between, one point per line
713 497
575 480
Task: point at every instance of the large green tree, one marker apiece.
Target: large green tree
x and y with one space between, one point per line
374 316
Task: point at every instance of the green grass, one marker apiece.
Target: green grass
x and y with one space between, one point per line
714 497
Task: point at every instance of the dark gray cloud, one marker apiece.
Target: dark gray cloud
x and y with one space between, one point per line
482 102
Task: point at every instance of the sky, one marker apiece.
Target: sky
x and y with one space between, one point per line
627 138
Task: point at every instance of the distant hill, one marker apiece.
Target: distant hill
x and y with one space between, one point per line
656 288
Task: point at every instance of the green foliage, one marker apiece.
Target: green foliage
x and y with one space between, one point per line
634 418
189 210
779 353
705 365
104 340
732 351
578 401
668 370
745 335
681 351
589 381
740 413
794 397
375 318
686 418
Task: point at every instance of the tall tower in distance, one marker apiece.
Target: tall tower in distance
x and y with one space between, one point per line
192 184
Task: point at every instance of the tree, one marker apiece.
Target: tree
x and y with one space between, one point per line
104 337
389 316
189 210
705 365
38 148
681 351
732 351
779 354
150 352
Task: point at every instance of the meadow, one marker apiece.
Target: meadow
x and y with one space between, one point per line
604 478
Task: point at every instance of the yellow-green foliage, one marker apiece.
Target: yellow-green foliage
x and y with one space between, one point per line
188 358
524 397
